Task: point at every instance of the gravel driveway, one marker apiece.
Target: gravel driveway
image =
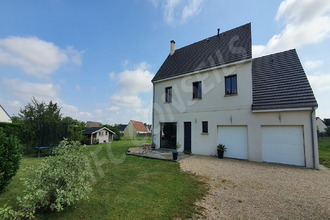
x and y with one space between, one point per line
250 190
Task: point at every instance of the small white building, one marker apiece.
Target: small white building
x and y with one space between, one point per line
98 135
320 125
4 116
212 92
135 129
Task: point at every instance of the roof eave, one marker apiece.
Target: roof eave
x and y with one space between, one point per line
203 70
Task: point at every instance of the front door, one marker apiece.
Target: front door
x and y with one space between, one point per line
187 137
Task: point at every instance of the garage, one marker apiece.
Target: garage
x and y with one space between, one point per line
283 144
235 139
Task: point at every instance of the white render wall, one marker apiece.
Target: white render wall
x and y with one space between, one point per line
3 116
221 110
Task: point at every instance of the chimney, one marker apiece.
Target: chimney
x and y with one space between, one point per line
218 32
172 47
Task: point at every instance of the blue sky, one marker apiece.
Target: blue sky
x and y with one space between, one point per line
96 58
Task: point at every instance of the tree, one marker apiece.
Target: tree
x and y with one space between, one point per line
33 115
10 156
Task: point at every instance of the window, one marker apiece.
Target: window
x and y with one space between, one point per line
168 94
205 127
231 84
197 90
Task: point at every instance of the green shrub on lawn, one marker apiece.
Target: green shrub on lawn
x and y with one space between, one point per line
10 156
59 181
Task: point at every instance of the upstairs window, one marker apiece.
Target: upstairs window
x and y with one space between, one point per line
231 85
168 94
205 127
197 90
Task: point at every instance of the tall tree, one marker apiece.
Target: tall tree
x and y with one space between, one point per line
33 116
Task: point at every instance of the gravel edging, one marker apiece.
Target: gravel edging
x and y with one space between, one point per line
251 190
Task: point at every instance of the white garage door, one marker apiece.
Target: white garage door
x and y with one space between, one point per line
235 139
283 144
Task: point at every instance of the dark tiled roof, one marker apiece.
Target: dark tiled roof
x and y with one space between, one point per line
279 81
91 130
121 127
230 46
94 129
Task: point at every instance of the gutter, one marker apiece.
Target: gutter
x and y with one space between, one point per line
312 130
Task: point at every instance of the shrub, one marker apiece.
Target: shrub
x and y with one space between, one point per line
10 156
58 181
327 131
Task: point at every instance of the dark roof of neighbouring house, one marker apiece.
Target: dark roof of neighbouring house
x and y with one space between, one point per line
279 82
91 124
95 129
139 126
230 46
121 127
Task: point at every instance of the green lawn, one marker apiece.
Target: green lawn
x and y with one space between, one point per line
125 187
324 151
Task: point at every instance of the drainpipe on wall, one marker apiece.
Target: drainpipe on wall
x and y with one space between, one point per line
153 109
313 145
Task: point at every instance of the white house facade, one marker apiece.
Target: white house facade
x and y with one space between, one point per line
98 135
4 117
229 98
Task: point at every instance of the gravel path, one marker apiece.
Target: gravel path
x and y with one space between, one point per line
249 190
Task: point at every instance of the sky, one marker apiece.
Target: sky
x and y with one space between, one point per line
96 59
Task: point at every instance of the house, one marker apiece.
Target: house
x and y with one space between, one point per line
212 92
92 124
320 125
135 129
4 116
96 135
149 128
121 129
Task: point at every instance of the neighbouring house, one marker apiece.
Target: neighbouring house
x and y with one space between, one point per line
213 92
135 129
92 124
149 128
97 135
320 125
4 116
121 129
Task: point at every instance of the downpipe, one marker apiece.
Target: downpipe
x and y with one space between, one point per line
313 145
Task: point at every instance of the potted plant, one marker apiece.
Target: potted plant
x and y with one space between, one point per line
175 152
221 149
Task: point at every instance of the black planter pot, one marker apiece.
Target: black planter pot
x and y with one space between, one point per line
175 155
220 154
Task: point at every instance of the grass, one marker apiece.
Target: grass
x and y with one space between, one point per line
324 151
125 187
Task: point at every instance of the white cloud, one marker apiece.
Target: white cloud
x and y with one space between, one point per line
113 108
112 76
26 90
312 64
191 10
320 83
178 11
134 81
36 57
126 101
306 22
98 111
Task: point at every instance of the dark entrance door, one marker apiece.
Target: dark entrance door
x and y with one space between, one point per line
168 135
187 137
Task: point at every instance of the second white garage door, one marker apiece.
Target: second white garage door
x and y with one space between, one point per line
235 139
283 144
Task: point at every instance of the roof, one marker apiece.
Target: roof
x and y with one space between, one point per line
139 126
121 127
93 124
229 47
93 130
279 82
